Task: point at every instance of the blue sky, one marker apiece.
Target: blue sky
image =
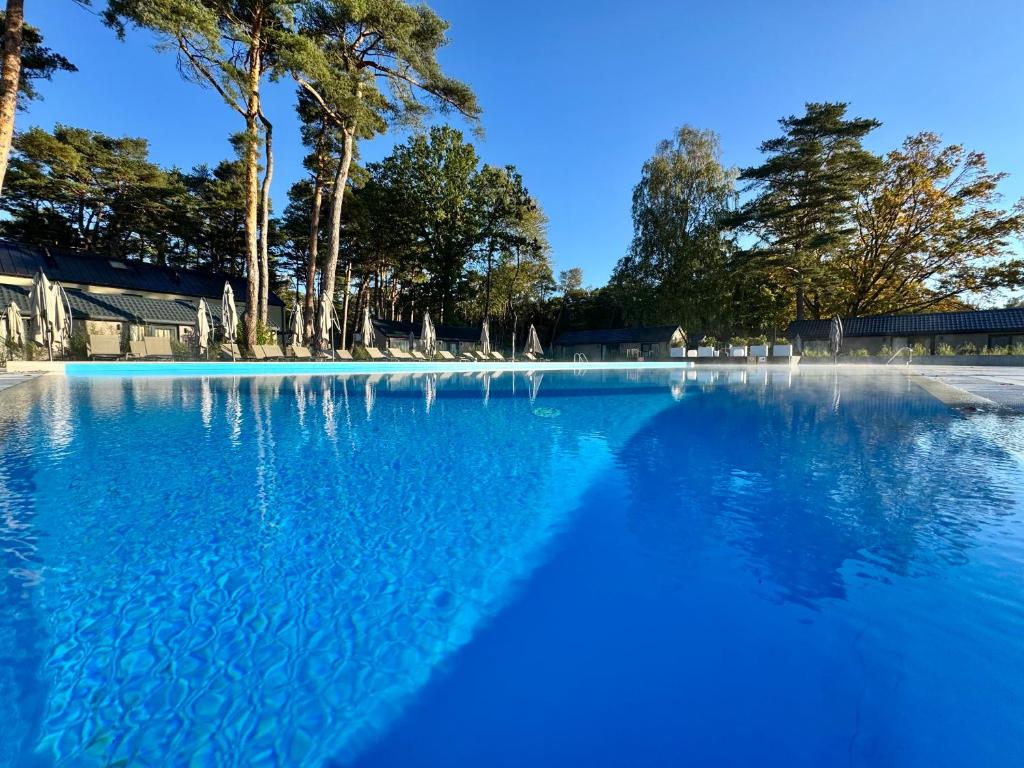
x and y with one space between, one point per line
577 93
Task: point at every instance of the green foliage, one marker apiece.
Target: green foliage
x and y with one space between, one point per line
265 334
802 193
37 61
885 351
945 350
675 271
78 343
920 350
861 352
967 349
929 230
181 351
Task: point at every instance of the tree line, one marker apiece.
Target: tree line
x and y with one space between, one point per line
821 227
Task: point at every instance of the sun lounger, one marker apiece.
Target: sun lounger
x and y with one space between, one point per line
446 355
273 352
103 346
137 348
417 355
230 351
343 354
468 356
300 352
158 346
375 354
495 355
398 354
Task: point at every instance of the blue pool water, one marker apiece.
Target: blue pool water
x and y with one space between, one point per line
654 568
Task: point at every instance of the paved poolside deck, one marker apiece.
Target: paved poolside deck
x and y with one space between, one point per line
1002 387
10 379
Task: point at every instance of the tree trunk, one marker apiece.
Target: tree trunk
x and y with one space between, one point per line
340 182
344 306
268 173
9 78
487 291
252 190
314 246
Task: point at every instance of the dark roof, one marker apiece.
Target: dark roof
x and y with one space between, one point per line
115 306
654 334
977 321
20 260
396 328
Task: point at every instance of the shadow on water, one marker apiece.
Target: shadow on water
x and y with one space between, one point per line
768 575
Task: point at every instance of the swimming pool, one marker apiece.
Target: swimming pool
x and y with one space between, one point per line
611 568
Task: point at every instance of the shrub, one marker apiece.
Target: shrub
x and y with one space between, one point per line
995 351
859 353
759 340
709 341
782 340
945 350
967 349
78 343
885 351
1017 349
738 341
180 350
920 350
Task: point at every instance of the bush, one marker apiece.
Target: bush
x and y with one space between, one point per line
759 340
1017 349
782 340
967 349
859 353
920 350
945 350
738 341
709 341
885 351
78 343
180 350
995 351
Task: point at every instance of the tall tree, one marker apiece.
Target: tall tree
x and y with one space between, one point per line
231 46
803 192
371 63
25 59
673 271
929 229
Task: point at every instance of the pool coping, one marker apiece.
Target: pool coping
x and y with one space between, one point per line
327 367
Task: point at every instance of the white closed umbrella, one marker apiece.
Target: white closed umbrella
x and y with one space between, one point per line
61 324
203 326
325 324
485 339
297 325
40 309
533 342
228 313
368 332
428 335
12 324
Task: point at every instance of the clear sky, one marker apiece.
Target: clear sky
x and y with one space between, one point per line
576 93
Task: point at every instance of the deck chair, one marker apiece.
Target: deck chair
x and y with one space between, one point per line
137 348
300 352
103 346
398 354
273 352
159 346
230 351
375 354
530 356
446 355
417 355
496 355
343 354
468 356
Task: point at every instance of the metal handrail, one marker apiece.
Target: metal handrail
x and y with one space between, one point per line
579 357
900 351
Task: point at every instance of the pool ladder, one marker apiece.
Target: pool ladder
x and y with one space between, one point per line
579 357
900 351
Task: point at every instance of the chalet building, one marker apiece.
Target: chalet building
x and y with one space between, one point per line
107 293
984 329
654 343
452 338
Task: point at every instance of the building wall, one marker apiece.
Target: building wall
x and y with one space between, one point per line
873 344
